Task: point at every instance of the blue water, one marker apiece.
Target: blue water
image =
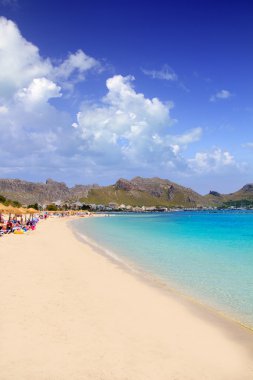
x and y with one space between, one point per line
207 255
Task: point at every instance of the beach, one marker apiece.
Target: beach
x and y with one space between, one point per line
68 312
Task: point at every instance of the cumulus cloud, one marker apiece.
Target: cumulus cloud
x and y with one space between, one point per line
214 161
34 132
21 62
221 95
131 130
38 92
165 73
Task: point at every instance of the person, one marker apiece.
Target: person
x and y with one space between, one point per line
9 227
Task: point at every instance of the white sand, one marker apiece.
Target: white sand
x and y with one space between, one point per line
70 313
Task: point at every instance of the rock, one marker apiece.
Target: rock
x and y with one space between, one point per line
248 188
171 192
215 193
124 184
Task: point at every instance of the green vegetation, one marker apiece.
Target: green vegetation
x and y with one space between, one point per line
86 207
238 203
35 206
2 199
140 198
9 202
52 208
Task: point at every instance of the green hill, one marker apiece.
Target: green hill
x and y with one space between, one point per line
240 198
136 192
145 192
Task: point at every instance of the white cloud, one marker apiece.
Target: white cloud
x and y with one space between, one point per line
188 137
166 73
214 161
21 62
130 130
79 62
35 133
223 94
38 92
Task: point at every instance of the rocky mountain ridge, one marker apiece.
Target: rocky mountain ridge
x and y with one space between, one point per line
138 191
37 192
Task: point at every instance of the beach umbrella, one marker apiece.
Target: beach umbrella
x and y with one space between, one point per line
22 211
14 210
32 211
2 210
8 210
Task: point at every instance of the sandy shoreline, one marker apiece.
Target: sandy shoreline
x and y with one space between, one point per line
69 313
168 288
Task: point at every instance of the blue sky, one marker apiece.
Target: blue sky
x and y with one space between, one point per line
94 91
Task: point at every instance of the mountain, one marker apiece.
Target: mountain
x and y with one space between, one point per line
242 196
37 192
136 192
246 192
145 192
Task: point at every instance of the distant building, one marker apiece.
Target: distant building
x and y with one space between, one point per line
57 203
113 205
77 205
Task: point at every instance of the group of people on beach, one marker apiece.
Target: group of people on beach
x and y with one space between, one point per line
17 226
21 226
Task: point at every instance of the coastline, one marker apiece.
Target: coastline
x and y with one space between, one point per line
70 312
162 285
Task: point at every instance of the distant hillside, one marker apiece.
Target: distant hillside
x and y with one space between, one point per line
145 192
37 192
246 192
136 192
9 202
236 198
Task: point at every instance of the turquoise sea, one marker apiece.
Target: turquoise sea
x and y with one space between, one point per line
206 255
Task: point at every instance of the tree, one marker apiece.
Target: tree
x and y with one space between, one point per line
52 207
85 207
16 204
2 199
35 206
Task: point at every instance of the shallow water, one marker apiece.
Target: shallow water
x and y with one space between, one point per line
206 255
